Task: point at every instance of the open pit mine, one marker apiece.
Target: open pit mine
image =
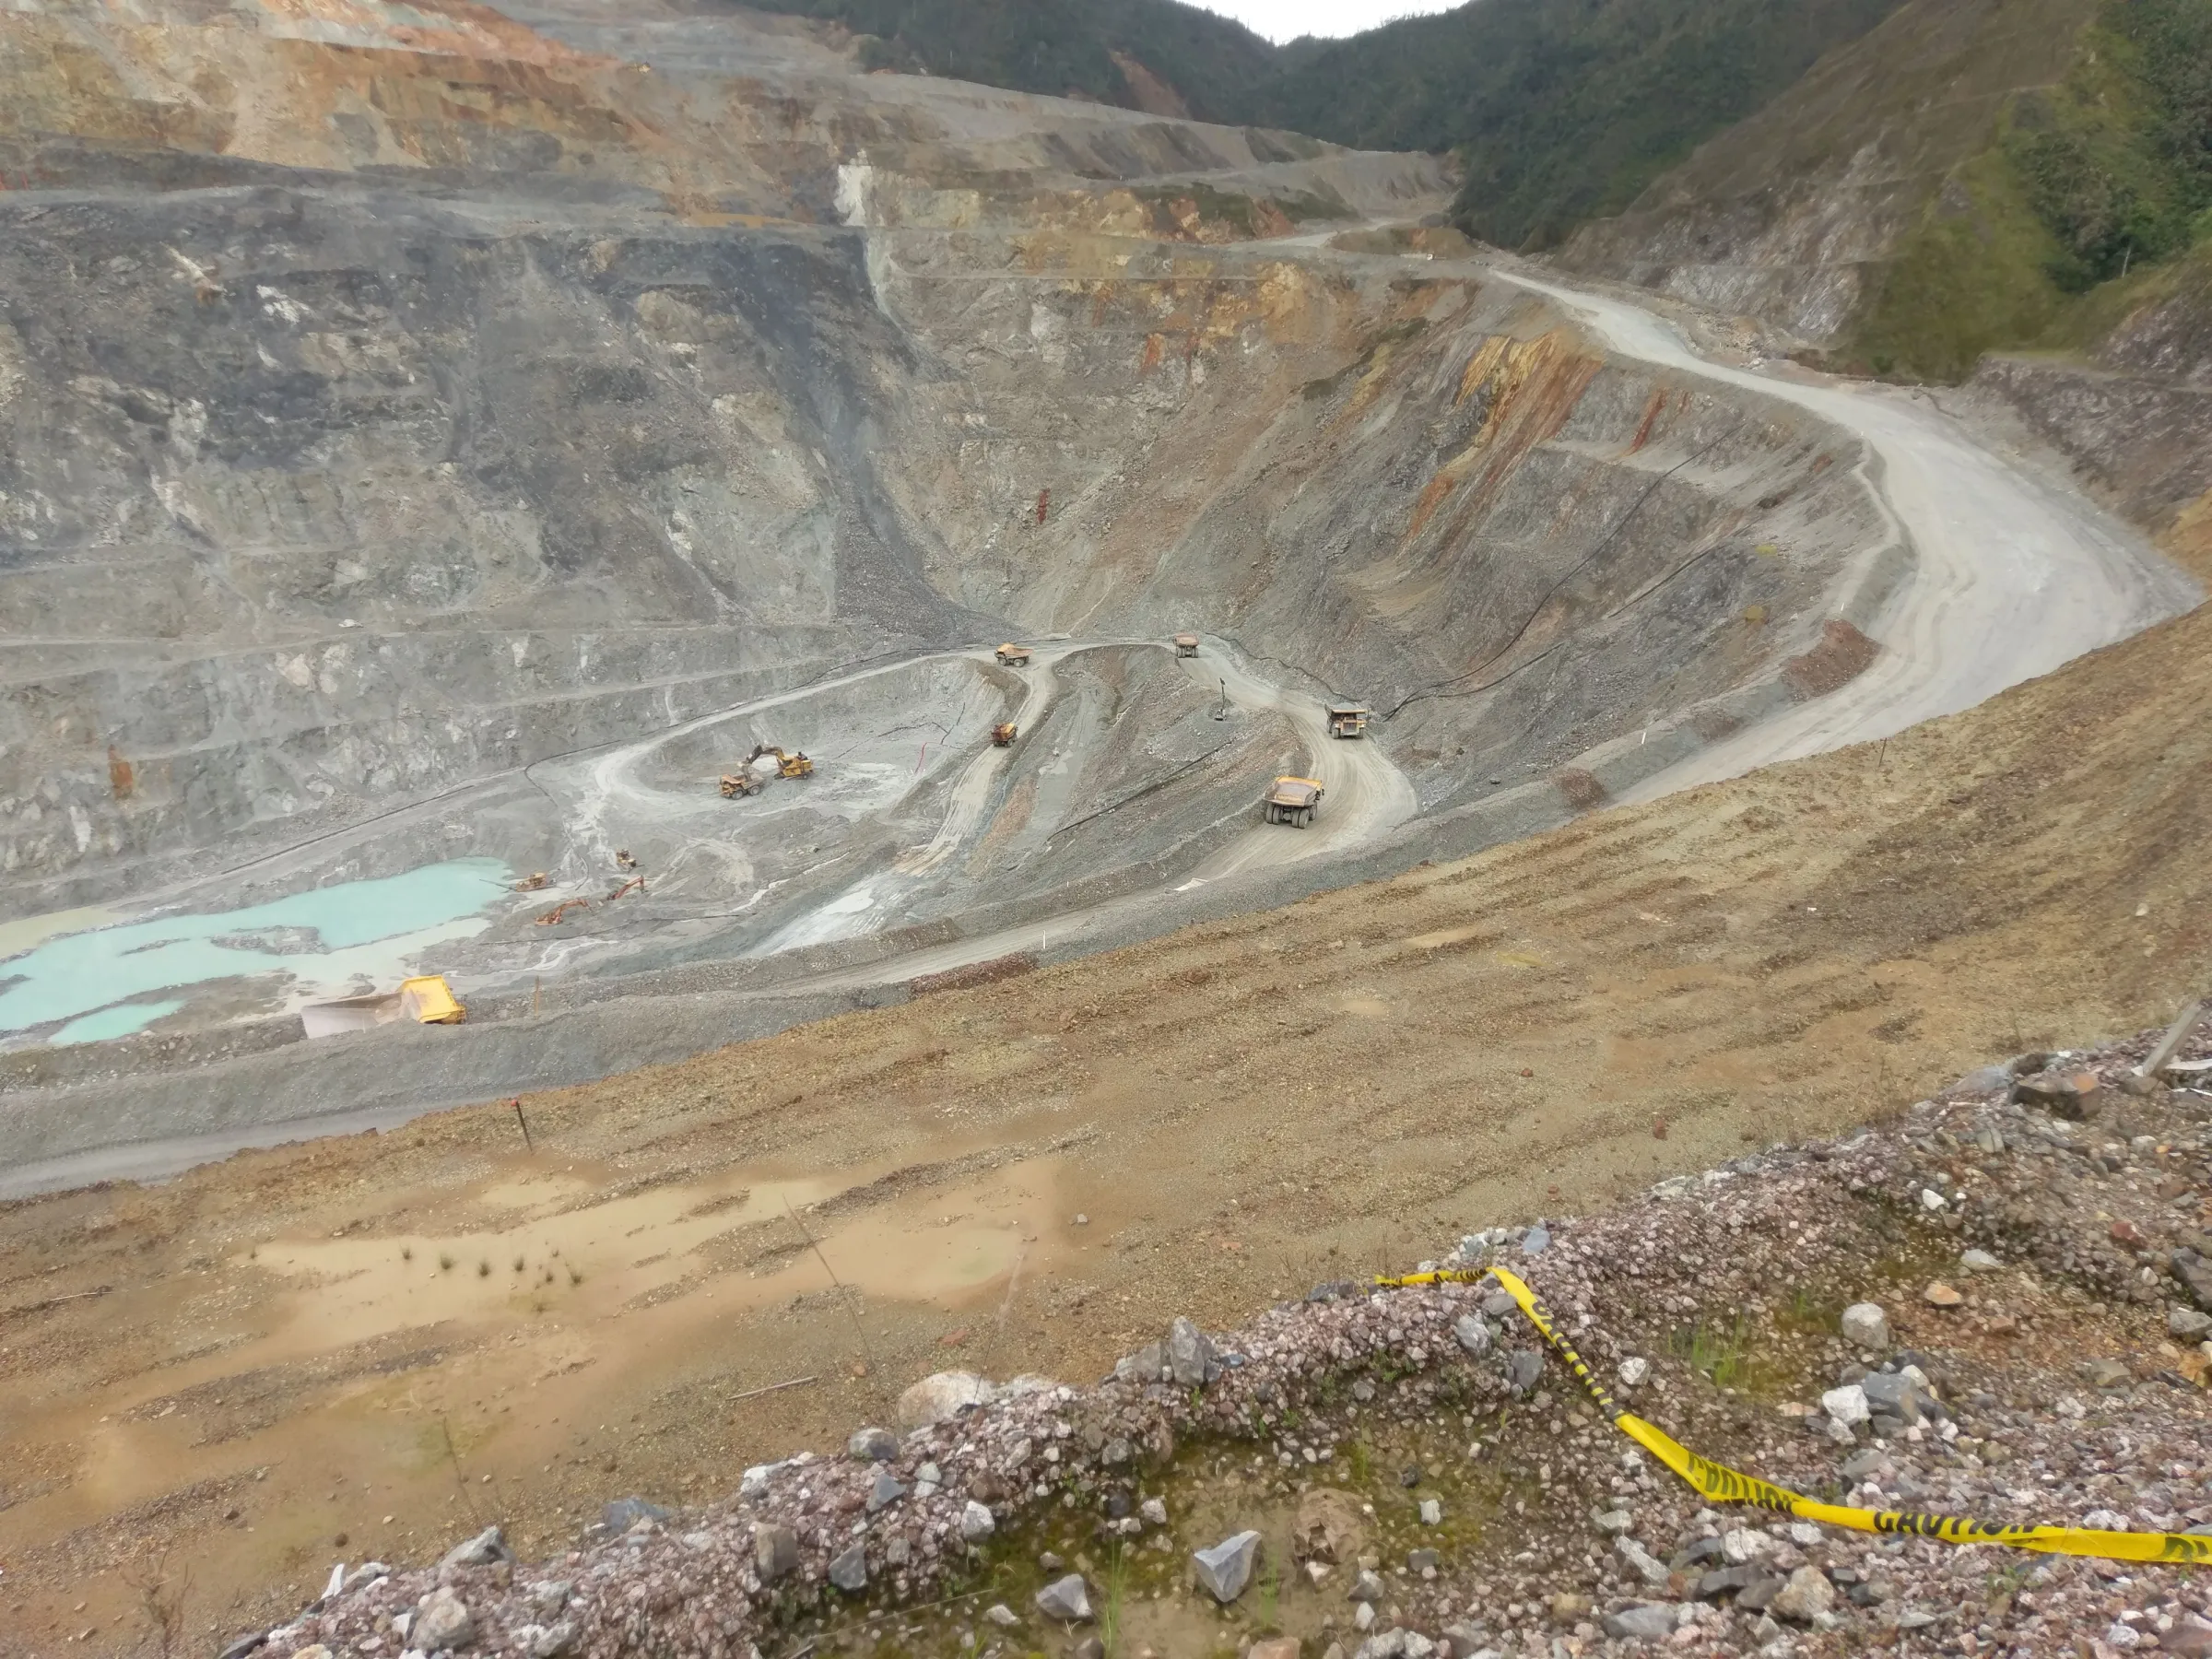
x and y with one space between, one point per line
546 539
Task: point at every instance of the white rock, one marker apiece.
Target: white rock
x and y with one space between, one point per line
1154 1512
940 1397
1640 1562
442 1620
1741 1545
1433 1513
1980 1260
999 1614
1474 1333
1846 1405
977 1522
1865 1325
1806 1596
1634 1369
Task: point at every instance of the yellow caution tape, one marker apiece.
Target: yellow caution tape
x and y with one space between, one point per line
1723 1485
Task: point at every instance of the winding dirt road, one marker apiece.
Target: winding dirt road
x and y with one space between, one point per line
2014 575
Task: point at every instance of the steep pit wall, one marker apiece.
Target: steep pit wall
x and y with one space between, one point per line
1430 494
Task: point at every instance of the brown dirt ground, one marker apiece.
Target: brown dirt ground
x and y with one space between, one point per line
267 1357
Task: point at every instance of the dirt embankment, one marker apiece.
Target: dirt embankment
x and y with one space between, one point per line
439 1323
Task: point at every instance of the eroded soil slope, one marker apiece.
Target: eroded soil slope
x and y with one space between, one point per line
1034 1175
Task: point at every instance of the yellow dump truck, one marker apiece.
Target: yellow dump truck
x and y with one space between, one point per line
1292 800
1013 656
1186 646
1004 734
1350 720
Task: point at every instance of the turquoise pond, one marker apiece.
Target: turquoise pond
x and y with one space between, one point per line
110 982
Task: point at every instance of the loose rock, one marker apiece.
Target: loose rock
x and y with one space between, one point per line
879 1444
1806 1596
1066 1600
441 1620
1224 1570
1865 1325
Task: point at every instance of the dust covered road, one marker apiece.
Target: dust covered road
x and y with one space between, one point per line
2015 574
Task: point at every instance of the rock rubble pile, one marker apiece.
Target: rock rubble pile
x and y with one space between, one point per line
1780 1315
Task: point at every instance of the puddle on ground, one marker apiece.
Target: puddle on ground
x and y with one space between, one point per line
99 978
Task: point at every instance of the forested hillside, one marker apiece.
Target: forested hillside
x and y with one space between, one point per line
1561 109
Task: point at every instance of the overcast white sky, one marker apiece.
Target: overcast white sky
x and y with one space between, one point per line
1282 20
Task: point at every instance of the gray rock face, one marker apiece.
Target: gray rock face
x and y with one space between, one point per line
2187 1323
977 1522
556 1639
1473 1333
1524 1370
367 1572
849 1572
1066 1600
879 1444
1537 1240
1648 1621
488 1548
1190 1355
1148 1364
1640 1562
775 1552
441 1620
1367 1587
1978 1261
549 1597
886 1490
1805 1597
1898 1397
1225 1569
1865 1325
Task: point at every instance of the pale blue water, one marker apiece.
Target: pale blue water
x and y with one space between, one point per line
330 937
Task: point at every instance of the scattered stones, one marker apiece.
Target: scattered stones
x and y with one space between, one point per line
1367 1587
1423 1562
2107 1374
1940 1295
1225 1569
1613 1522
1978 1261
1806 1595
977 1522
1524 1370
775 1551
555 1640
441 1620
1066 1600
879 1444
1865 1325
1275 1647
941 1398
849 1570
2190 1637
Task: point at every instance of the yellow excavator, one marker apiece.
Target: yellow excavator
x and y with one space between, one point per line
787 766
766 762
